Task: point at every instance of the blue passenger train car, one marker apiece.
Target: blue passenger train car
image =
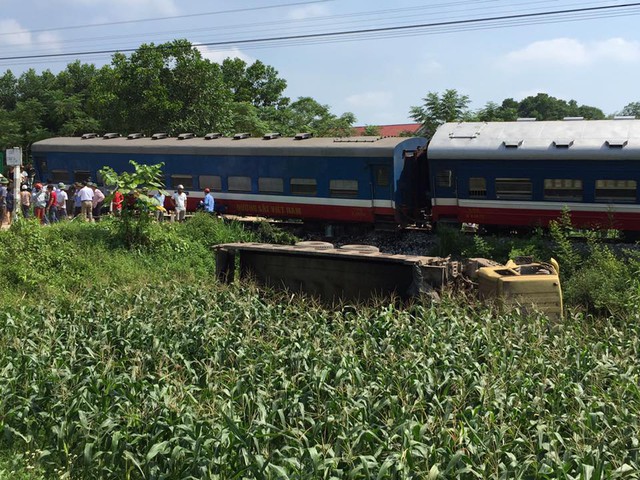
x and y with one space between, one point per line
525 173
316 179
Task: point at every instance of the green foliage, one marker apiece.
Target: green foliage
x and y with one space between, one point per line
135 223
545 107
564 249
372 130
194 381
438 109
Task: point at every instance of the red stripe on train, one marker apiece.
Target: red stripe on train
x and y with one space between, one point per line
536 217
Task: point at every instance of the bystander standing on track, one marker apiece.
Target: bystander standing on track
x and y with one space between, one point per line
52 202
39 201
158 202
61 202
209 203
85 195
77 204
117 202
180 203
25 201
97 202
3 199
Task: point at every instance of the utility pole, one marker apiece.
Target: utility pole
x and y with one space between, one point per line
14 159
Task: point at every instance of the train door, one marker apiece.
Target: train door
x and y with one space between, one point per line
445 194
381 187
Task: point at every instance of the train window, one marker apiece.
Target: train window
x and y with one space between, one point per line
343 188
81 175
58 176
563 189
513 188
180 179
239 184
444 178
213 182
304 186
382 176
618 191
477 187
270 185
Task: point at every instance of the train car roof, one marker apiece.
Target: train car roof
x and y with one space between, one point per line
533 140
282 146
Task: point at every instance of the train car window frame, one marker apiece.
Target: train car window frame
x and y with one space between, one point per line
182 179
81 176
514 188
563 190
444 178
239 183
616 191
58 176
382 176
343 188
477 187
272 185
304 186
212 182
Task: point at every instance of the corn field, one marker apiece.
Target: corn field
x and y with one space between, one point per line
232 382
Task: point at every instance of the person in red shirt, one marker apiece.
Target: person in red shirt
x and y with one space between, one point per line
116 203
51 208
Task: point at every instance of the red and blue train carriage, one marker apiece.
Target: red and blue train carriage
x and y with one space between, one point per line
523 174
315 179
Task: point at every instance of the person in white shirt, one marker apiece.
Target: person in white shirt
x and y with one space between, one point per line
180 203
61 201
85 195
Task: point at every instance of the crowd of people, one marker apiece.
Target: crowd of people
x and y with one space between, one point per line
50 203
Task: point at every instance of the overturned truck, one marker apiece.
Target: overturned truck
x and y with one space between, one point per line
359 272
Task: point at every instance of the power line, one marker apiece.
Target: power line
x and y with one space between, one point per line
475 23
173 17
335 20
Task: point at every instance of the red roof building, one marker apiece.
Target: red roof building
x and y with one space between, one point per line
391 130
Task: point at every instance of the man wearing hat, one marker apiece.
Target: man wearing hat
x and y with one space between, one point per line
180 203
61 201
3 199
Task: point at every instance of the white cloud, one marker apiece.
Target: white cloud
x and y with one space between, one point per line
574 53
309 11
218 56
13 33
376 99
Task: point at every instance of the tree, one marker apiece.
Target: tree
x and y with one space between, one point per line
632 109
438 109
257 83
492 112
545 107
134 224
168 87
371 130
8 90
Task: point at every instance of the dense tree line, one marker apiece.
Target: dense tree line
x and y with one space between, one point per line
451 106
159 88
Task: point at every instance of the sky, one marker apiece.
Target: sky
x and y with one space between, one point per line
590 56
